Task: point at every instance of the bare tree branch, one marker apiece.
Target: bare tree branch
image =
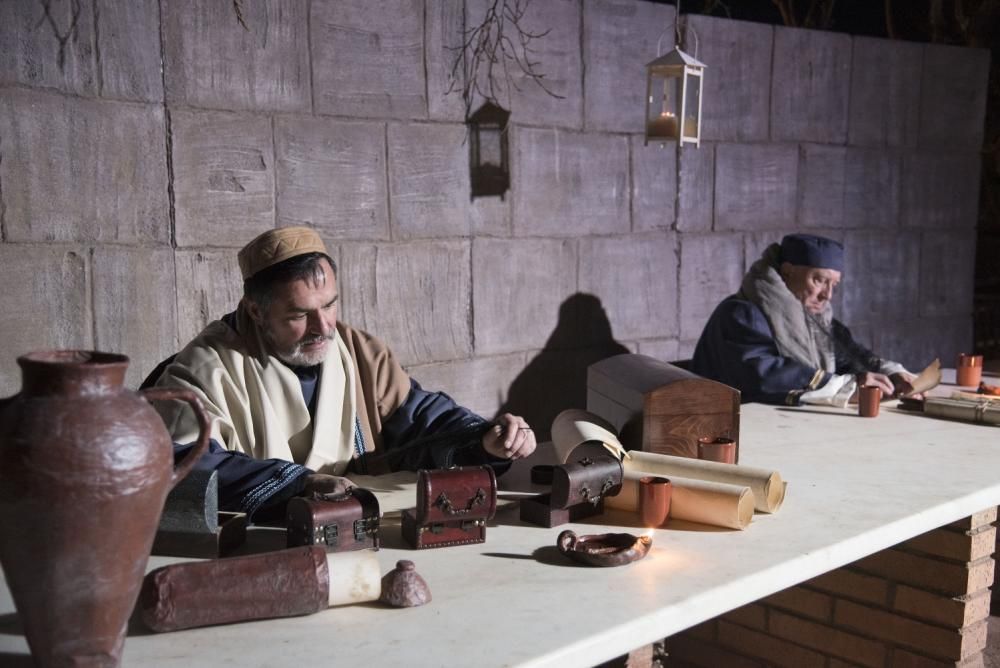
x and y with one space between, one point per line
787 12
961 18
810 20
828 13
935 16
489 52
238 7
61 37
890 29
709 7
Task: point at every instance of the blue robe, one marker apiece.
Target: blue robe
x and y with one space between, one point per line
737 348
428 431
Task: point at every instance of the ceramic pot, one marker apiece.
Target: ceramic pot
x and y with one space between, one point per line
603 549
85 466
869 398
969 371
654 500
718 449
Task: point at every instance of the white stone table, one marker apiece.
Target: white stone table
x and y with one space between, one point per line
856 486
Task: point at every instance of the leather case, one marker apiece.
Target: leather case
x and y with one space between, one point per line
453 506
342 522
578 492
588 480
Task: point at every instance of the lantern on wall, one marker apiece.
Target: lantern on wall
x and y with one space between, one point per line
673 98
489 170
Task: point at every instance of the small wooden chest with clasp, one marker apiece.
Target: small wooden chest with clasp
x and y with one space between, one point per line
578 491
453 506
341 522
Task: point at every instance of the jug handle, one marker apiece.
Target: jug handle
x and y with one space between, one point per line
204 426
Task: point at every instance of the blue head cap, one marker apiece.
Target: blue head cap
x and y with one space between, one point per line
810 250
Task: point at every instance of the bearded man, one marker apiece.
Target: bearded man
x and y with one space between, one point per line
776 340
298 399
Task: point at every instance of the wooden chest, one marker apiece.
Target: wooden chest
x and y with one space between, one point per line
658 407
453 506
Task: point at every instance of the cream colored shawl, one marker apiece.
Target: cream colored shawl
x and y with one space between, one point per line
255 401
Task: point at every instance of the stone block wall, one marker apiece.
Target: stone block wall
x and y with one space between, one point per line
142 143
920 604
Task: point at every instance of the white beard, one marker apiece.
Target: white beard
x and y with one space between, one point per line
296 356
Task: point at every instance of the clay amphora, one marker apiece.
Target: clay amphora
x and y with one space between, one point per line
85 466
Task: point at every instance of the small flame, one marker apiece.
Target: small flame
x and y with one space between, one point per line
648 533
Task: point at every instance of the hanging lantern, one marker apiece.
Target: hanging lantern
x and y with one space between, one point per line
673 98
489 171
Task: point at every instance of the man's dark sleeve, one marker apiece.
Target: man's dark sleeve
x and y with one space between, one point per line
429 430
852 357
253 486
737 348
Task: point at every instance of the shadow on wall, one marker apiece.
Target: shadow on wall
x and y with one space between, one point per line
556 379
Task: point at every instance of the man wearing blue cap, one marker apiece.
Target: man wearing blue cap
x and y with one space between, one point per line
776 339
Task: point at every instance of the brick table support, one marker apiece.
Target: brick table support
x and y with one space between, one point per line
920 604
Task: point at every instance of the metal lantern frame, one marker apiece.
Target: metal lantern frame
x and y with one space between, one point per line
679 69
485 178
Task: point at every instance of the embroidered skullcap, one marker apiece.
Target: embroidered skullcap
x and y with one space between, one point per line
276 246
810 250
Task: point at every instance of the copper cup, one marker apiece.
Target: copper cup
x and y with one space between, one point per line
654 500
869 398
717 449
969 371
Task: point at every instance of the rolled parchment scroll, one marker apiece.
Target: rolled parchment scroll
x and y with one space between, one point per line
286 583
714 503
768 489
985 409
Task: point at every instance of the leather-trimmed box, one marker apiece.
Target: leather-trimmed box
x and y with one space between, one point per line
342 522
578 491
453 506
588 480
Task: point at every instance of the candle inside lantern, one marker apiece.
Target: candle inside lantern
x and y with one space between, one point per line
690 127
663 126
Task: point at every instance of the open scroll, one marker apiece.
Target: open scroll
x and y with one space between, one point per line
574 427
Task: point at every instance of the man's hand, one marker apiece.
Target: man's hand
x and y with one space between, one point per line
879 380
320 483
904 384
510 438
